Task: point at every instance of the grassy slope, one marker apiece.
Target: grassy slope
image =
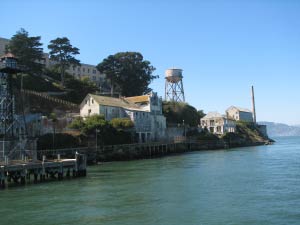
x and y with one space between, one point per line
246 134
74 91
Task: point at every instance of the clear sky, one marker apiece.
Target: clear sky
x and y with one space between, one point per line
223 47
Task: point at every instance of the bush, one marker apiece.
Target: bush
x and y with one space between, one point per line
176 112
107 134
207 136
121 123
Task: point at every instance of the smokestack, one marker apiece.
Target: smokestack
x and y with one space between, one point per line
253 106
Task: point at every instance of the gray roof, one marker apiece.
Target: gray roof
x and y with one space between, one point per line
115 102
211 115
240 109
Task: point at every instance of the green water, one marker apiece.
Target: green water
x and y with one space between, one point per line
257 185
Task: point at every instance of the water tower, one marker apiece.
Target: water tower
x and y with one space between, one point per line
174 86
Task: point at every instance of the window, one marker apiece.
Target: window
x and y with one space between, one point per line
94 78
88 70
92 101
94 71
78 69
83 69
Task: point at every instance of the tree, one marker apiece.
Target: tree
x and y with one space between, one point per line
176 112
201 114
129 72
63 53
27 49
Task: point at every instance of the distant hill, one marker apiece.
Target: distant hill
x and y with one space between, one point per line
280 129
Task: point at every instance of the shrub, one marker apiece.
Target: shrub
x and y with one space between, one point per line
121 123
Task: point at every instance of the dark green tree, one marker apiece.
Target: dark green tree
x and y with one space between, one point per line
177 112
201 114
63 53
129 72
28 50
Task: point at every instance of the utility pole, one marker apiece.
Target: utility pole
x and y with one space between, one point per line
253 106
97 130
184 132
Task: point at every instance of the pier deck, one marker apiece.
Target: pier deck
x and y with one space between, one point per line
18 171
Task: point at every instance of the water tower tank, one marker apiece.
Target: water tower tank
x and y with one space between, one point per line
174 85
174 75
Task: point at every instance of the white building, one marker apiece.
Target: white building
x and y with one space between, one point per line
217 123
145 111
239 114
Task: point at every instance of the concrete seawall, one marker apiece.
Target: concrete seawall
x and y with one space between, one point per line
140 151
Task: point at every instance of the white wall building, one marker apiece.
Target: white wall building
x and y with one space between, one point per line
145 111
239 114
217 123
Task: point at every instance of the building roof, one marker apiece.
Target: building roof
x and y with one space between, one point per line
240 109
211 115
138 99
8 55
115 102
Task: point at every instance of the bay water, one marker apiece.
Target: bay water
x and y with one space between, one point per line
251 185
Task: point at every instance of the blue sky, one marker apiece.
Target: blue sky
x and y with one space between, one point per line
223 47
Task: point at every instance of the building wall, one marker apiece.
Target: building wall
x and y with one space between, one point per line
235 114
89 107
111 112
246 116
87 71
149 125
218 125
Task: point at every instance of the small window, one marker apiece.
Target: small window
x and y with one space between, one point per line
88 70
92 101
94 71
78 69
83 69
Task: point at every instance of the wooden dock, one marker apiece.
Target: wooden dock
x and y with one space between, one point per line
22 171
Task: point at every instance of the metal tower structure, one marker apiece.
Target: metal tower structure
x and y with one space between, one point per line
174 85
8 67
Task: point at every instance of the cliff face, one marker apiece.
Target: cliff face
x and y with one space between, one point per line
247 134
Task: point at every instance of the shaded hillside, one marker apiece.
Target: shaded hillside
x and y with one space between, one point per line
49 85
246 134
